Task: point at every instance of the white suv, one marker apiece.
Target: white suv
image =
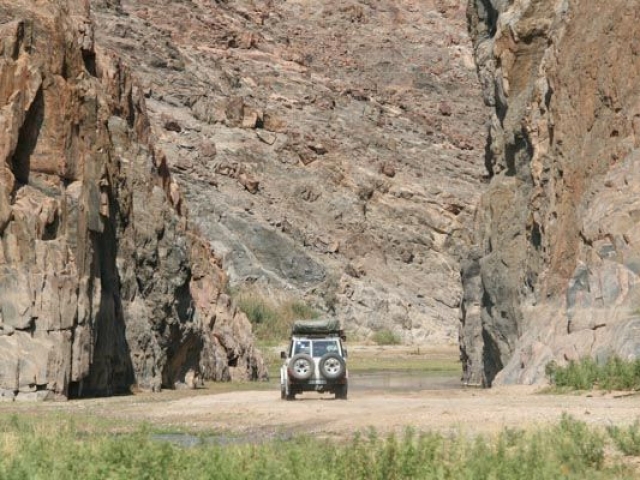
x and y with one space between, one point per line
314 362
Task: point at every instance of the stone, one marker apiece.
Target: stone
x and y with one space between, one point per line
183 164
251 184
306 157
38 396
7 395
235 111
267 137
251 118
318 148
94 242
388 170
172 125
207 150
445 109
274 123
5 209
15 299
352 271
333 111
555 276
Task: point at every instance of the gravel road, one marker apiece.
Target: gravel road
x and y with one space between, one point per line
447 408
380 399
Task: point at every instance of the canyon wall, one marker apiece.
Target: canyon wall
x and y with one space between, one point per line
330 151
554 271
103 283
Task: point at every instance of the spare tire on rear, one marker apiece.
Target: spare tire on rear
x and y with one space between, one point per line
301 366
332 366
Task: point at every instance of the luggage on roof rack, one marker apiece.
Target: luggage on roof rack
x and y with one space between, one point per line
329 326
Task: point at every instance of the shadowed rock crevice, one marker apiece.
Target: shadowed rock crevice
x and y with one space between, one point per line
518 156
28 139
491 358
185 352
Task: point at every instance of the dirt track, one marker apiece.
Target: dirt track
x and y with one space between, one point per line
383 400
261 413
441 410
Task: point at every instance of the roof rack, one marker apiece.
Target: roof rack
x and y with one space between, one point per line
318 328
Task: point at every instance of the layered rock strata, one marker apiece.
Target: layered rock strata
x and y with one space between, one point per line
554 275
332 151
102 283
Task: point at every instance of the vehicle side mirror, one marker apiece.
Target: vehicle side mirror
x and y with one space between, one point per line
283 355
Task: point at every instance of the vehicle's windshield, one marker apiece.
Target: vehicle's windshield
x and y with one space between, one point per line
302 346
321 347
315 348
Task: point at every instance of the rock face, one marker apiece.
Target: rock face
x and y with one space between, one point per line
555 272
102 283
331 150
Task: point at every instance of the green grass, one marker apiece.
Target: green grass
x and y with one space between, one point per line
403 360
58 448
403 365
587 374
385 337
369 359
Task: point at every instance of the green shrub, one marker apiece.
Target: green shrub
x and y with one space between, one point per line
257 310
59 449
577 444
272 317
386 337
618 374
614 374
627 440
301 310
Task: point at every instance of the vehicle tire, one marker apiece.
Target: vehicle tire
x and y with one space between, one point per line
301 366
332 366
341 391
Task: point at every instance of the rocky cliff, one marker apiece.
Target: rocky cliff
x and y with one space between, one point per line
328 150
555 272
103 285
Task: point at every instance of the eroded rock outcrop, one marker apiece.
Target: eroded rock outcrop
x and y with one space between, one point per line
102 284
555 272
332 151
